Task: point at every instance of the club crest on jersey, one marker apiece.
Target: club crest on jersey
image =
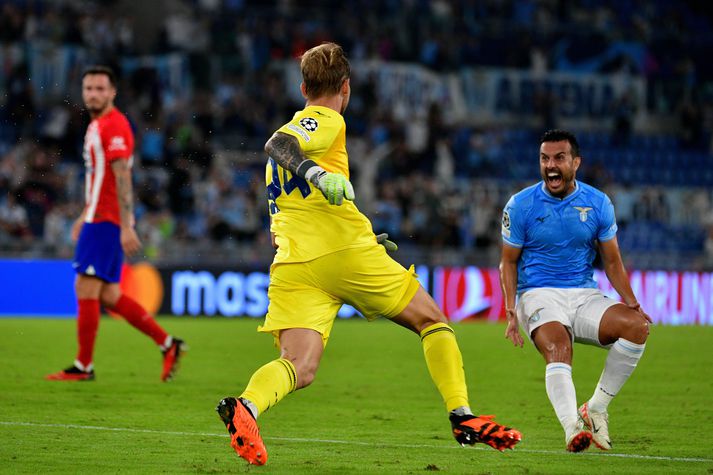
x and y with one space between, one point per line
583 210
309 124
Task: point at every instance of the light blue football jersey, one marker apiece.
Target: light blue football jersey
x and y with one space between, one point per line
558 237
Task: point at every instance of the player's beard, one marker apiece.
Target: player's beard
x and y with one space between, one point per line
97 108
560 186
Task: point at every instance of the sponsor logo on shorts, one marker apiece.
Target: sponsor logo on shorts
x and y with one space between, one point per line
535 317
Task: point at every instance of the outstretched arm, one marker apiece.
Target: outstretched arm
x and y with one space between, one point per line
617 275
130 242
508 283
286 151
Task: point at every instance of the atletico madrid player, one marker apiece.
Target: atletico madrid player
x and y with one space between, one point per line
105 231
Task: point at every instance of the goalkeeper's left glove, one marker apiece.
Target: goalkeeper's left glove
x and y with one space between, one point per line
383 239
334 186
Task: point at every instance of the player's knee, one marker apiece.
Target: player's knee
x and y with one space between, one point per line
305 377
305 371
85 288
637 331
432 319
108 298
557 352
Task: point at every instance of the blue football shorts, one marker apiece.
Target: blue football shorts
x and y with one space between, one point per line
99 252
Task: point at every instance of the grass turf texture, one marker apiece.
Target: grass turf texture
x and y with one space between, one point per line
372 409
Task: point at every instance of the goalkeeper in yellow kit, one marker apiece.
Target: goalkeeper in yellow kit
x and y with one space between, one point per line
328 255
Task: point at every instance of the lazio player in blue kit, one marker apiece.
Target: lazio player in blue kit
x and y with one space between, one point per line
551 233
561 235
328 255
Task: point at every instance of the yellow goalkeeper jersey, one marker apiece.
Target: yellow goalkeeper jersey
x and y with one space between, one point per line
306 226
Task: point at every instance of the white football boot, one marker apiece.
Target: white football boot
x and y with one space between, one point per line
598 423
578 439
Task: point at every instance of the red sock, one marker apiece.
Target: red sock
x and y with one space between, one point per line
87 325
140 319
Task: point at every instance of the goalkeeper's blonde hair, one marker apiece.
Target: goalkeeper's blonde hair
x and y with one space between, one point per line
324 70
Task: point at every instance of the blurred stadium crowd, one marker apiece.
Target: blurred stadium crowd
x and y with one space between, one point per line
200 83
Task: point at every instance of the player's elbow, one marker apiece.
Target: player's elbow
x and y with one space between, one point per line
268 146
271 144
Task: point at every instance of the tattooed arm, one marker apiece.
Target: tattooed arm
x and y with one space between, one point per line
130 242
286 151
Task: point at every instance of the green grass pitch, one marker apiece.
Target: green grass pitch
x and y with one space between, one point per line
372 408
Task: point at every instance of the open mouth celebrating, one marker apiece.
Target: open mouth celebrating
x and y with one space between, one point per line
554 179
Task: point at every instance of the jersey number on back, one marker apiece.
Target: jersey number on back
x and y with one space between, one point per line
289 184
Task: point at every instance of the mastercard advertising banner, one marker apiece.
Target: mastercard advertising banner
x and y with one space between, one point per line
44 288
672 298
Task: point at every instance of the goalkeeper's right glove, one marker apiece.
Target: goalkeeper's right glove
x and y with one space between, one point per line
383 239
334 186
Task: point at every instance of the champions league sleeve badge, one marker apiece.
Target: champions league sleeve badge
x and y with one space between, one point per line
506 224
309 124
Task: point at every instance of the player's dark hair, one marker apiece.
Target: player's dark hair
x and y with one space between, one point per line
324 70
99 69
558 135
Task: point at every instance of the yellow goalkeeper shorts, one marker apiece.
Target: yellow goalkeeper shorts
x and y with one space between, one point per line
309 294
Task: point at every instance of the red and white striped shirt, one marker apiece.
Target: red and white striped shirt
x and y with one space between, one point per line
108 138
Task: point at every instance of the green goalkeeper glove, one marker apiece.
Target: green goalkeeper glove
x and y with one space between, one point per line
334 186
383 239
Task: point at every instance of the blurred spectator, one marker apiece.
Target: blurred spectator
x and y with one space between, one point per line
691 123
40 189
13 219
624 112
387 216
20 104
624 199
58 226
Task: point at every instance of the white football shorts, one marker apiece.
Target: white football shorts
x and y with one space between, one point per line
580 310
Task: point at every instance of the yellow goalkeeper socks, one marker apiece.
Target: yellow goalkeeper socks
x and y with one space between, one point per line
445 364
270 383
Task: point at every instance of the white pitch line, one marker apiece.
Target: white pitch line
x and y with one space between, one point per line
350 442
